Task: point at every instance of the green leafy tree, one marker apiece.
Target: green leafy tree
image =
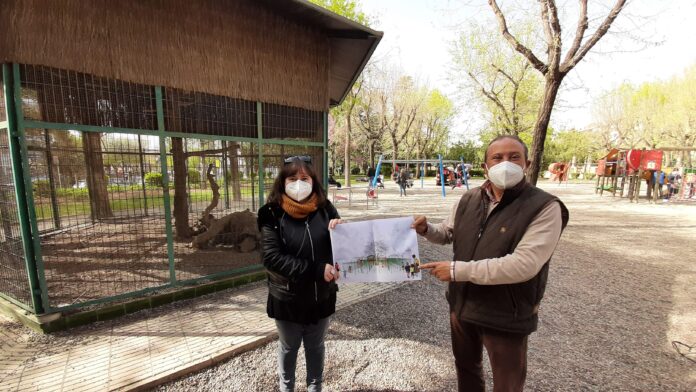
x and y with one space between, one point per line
496 78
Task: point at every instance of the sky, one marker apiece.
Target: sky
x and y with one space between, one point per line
418 35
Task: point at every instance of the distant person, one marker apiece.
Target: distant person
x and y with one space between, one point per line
301 276
416 262
561 170
504 234
407 268
674 182
380 181
371 174
402 180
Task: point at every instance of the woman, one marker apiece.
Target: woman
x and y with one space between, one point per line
297 255
402 180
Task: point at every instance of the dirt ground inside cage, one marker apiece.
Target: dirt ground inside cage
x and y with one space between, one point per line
99 260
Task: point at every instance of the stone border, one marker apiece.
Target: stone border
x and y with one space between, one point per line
58 321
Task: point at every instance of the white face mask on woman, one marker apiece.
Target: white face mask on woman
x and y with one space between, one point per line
505 174
298 190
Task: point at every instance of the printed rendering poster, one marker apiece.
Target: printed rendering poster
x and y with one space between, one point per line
383 250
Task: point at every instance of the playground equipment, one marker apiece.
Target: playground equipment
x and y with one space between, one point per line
622 171
559 172
450 175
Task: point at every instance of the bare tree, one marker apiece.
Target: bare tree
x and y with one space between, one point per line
402 103
510 116
554 69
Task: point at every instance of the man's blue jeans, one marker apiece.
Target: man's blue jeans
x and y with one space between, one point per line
290 336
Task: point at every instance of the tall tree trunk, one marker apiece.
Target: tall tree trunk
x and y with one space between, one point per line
96 178
395 151
372 154
181 212
553 82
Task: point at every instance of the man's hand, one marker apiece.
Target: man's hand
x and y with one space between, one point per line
439 269
333 223
330 273
420 223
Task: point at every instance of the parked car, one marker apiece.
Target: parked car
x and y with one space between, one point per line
80 184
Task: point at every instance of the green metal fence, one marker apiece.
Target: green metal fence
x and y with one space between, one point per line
106 185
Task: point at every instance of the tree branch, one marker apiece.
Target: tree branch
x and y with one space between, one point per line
579 33
516 45
603 28
208 152
513 81
552 28
491 96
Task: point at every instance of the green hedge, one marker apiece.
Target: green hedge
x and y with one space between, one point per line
476 172
154 179
194 176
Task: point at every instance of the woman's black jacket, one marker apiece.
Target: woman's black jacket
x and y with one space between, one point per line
295 252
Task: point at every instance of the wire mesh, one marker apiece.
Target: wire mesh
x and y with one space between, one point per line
274 157
291 123
14 280
220 180
99 196
100 212
201 113
61 96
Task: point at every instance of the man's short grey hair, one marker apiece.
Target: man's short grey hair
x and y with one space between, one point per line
501 137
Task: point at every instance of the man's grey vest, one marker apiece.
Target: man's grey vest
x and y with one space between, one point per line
507 307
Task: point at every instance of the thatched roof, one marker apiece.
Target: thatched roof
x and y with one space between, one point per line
351 44
252 50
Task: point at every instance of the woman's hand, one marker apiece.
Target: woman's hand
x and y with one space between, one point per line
333 223
420 223
330 273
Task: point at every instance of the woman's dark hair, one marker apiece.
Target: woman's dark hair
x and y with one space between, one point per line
290 169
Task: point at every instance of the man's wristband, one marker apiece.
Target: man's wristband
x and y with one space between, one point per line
452 271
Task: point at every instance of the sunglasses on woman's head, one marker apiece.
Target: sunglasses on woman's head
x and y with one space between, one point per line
304 158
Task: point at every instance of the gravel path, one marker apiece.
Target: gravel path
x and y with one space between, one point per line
621 289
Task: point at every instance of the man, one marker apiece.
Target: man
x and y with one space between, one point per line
370 174
504 233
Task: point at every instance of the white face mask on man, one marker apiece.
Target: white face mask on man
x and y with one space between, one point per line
298 190
505 174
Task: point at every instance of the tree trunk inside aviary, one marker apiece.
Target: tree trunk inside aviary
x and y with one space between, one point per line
96 178
181 212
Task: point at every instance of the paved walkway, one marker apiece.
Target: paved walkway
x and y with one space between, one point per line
144 349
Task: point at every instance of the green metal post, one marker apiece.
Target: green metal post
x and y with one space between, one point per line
326 150
24 192
262 174
165 183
